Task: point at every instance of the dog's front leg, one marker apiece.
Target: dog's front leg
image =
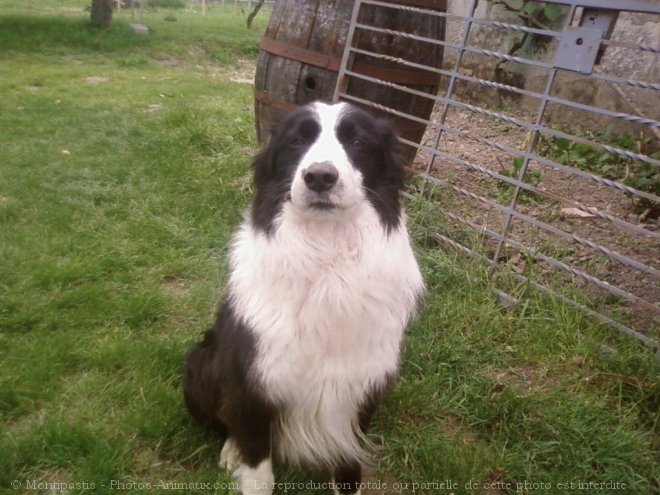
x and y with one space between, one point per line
247 451
347 479
254 474
348 476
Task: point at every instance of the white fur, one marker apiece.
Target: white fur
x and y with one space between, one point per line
230 455
329 302
328 299
251 481
255 481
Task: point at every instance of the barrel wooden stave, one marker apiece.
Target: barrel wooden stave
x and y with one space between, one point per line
318 35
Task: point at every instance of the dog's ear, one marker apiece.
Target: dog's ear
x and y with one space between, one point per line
263 160
392 152
278 118
263 165
267 130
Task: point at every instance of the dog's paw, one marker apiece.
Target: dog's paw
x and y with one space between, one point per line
230 456
256 481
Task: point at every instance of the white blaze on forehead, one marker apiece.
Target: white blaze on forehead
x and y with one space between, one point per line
329 114
327 146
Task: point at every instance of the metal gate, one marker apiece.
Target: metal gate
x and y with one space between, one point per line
542 155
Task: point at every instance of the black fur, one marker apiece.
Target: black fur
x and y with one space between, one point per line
219 391
348 477
274 166
374 149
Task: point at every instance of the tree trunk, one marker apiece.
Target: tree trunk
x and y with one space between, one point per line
101 13
253 14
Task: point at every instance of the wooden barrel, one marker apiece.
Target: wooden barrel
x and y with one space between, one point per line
301 53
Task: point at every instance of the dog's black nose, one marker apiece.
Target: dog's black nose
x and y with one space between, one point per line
321 176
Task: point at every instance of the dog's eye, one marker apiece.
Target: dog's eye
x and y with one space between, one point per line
358 144
297 143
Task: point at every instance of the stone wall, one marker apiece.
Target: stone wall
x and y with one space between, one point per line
622 62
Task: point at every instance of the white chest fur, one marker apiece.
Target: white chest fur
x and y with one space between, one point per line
328 301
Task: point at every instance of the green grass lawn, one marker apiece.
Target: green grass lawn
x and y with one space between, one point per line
124 168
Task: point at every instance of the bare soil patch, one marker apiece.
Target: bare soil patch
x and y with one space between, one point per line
470 194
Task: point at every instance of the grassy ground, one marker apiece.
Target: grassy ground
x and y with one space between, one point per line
123 171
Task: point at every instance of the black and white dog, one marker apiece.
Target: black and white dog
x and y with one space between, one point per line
322 283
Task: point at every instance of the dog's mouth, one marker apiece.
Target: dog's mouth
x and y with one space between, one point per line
318 204
324 201
323 205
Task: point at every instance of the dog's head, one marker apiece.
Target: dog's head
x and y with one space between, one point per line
326 161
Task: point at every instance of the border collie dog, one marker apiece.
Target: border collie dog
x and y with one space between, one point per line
322 283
